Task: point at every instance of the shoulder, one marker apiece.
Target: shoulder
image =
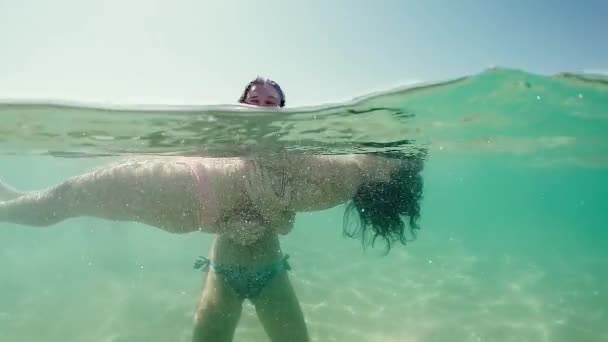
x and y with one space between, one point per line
329 164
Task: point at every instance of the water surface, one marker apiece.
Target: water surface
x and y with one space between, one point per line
513 245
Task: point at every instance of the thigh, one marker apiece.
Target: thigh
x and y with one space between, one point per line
218 311
279 311
157 191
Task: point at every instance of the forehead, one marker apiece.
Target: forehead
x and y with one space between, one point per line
264 89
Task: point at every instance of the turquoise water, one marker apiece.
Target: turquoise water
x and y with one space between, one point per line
513 245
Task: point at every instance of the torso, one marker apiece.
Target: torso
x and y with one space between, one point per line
315 185
265 250
219 185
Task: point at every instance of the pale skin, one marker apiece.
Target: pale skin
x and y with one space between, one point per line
160 192
277 306
219 308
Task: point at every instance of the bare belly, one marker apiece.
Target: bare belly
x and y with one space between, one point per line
263 251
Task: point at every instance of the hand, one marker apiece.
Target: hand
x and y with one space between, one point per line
268 193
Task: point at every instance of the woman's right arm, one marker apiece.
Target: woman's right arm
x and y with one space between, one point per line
156 192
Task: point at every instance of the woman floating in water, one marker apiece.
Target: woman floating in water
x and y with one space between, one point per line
189 194
246 202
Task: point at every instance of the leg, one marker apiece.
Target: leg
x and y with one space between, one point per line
8 193
155 192
277 305
218 311
279 311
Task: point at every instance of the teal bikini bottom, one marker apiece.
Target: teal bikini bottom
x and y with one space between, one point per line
246 282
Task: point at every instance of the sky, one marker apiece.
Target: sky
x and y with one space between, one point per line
204 52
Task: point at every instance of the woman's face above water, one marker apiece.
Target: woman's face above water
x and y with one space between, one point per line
263 95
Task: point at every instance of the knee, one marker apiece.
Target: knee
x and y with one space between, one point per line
203 311
213 311
205 327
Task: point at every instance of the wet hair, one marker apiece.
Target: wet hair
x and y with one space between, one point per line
262 81
389 209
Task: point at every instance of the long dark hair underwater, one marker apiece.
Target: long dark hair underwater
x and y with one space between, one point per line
388 210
